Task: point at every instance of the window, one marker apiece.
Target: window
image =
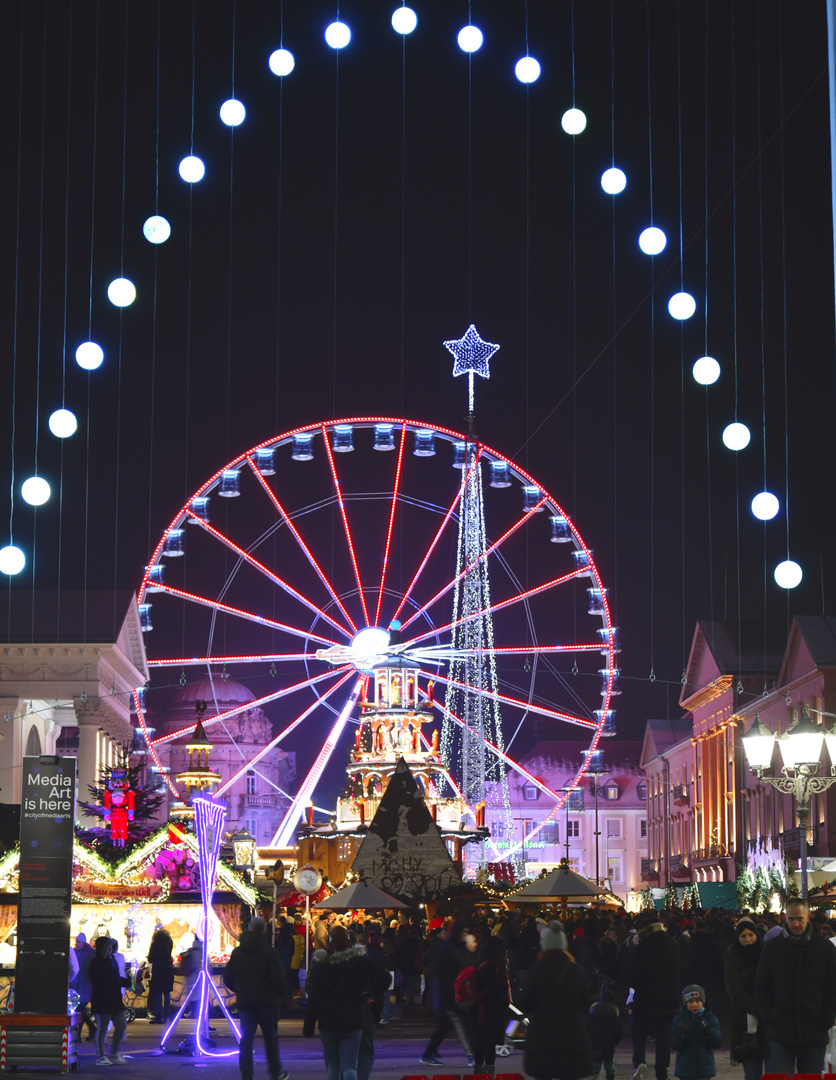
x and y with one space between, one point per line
252 828
530 793
611 790
497 829
643 829
573 828
641 790
550 833
250 782
574 864
613 826
614 867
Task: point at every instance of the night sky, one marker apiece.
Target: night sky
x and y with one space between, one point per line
377 201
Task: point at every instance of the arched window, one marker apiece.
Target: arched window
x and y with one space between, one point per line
33 743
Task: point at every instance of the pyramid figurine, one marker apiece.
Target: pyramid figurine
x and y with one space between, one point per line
403 852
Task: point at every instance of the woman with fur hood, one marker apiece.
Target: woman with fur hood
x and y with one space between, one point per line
339 989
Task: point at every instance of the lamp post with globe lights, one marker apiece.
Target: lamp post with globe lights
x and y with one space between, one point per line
800 748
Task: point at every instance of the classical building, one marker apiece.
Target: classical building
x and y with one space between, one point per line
602 828
706 812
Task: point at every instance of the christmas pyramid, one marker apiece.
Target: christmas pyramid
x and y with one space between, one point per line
403 852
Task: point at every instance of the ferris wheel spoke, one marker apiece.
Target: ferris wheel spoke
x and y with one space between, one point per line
261 620
204 661
284 733
262 569
306 551
499 606
450 511
284 833
161 769
349 541
488 551
395 490
540 710
257 703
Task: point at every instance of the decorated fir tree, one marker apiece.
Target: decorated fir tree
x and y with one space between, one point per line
670 897
124 806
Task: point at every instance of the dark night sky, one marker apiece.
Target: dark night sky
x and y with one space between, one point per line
375 203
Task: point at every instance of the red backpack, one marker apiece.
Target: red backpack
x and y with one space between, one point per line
464 988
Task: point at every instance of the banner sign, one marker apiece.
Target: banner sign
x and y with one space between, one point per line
101 891
47 814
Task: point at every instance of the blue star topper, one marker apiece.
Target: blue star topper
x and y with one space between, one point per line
471 353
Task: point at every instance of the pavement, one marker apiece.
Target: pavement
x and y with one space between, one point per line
399 1045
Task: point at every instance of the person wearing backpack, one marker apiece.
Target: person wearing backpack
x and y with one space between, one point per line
492 996
453 956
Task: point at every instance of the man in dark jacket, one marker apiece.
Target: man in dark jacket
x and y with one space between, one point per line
256 976
654 977
796 985
453 957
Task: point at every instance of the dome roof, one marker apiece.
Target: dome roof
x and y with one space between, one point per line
227 692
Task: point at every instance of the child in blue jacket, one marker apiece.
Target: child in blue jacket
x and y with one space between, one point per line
695 1035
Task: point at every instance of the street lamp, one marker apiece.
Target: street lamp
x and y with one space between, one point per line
800 748
243 850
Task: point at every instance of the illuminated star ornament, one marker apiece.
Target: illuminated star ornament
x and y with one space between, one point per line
472 355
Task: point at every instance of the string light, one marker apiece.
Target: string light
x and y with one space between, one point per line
35 491
682 306
736 436
89 355
233 113
573 122
765 506
337 35
788 574
527 69
706 370
281 62
192 169
121 292
470 39
12 560
652 241
404 20
63 424
156 229
613 181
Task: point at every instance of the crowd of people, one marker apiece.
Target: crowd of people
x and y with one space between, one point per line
582 984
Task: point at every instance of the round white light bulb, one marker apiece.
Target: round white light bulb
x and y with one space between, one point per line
682 305
368 646
156 229
788 574
233 112
573 121
736 436
706 370
63 424
652 241
527 70
337 35
470 38
404 20
613 181
765 506
12 560
281 62
89 355
35 491
192 169
121 292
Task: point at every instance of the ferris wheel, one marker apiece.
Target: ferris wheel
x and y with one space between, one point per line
286 569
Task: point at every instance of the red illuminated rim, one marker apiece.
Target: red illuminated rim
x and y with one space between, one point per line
305 557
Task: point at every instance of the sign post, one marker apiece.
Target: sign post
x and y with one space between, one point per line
47 815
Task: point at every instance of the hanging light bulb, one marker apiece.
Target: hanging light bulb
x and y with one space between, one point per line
706 370
192 169
404 20
788 574
736 436
35 491
233 113
652 241
156 229
89 355
63 424
765 506
613 181
527 70
470 39
12 560
337 35
281 62
121 292
573 121
682 306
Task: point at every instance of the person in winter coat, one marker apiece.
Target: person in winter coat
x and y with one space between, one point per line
375 953
255 974
748 1028
695 1035
795 983
84 953
605 1027
654 977
162 975
493 996
555 998
106 1001
453 957
339 989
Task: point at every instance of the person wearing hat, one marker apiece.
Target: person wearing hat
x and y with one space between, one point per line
695 1035
795 984
748 1029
